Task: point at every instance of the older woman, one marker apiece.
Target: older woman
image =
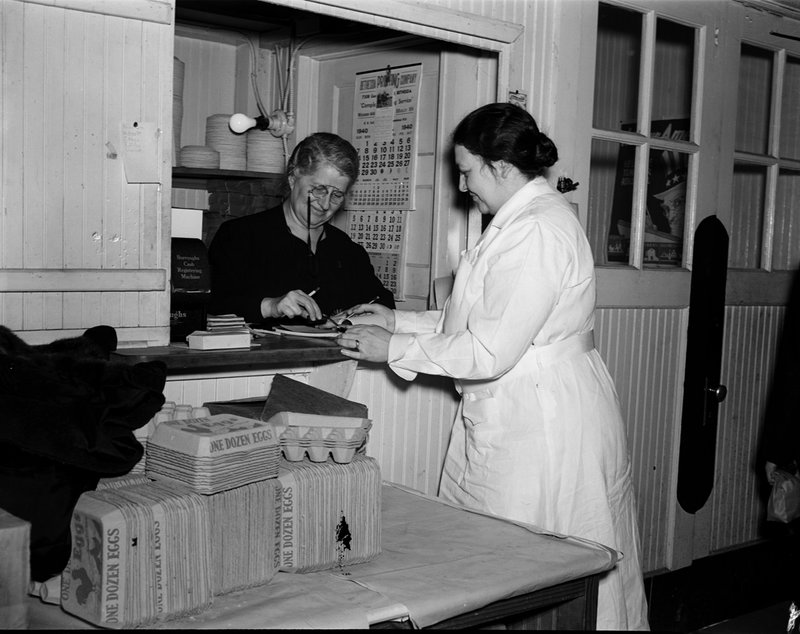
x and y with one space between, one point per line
539 436
289 261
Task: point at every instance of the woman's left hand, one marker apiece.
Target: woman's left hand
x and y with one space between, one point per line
365 343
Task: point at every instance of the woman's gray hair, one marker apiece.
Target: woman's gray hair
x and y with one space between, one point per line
324 148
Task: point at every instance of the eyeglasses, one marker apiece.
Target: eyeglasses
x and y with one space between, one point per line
320 191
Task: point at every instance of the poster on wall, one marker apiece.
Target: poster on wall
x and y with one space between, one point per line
665 203
385 136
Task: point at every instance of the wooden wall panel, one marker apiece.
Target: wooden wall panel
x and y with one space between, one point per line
749 354
643 349
209 83
71 79
11 140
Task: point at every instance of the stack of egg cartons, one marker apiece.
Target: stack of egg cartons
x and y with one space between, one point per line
233 462
139 555
202 520
331 514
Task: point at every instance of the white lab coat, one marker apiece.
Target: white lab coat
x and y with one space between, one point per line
539 436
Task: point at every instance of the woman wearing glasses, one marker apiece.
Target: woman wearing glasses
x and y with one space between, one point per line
290 262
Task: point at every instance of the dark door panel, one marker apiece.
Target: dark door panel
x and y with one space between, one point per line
702 390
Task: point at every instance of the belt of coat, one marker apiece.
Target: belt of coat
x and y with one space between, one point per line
536 358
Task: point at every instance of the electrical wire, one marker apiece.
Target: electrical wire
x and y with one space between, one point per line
253 77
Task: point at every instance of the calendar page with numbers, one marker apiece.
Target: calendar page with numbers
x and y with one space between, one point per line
382 234
385 135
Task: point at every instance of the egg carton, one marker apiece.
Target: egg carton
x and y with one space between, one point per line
320 442
316 453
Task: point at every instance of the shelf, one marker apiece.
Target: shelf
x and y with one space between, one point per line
196 177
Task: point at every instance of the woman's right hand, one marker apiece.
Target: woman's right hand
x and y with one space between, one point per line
294 304
372 314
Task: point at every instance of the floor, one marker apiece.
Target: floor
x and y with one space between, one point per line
770 619
746 590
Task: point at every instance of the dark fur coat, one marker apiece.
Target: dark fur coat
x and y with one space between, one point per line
67 417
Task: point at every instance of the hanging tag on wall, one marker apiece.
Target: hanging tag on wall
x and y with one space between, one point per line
140 152
519 98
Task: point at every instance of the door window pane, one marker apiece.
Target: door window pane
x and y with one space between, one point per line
747 217
672 81
616 86
786 250
755 100
790 111
610 200
665 216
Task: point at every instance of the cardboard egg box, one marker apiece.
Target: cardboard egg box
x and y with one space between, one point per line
320 436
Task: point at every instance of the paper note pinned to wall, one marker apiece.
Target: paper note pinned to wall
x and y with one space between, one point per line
140 152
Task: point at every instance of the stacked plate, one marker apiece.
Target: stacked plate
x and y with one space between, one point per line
145 556
213 454
331 514
232 147
199 156
320 437
264 152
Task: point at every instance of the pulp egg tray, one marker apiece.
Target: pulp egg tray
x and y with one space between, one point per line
318 443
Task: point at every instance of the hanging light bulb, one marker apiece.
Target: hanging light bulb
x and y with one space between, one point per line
241 123
278 123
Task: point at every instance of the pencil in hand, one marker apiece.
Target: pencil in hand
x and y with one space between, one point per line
353 312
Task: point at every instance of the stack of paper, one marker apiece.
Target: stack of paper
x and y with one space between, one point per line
140 555
213 454
220 340
331 514
216 323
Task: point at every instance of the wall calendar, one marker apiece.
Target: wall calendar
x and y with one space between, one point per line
385 136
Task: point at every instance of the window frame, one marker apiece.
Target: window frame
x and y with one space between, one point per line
771 160
644 143
756 27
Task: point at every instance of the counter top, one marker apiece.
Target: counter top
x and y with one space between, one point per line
264 353
438 561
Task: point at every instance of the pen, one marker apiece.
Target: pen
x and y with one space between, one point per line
352 312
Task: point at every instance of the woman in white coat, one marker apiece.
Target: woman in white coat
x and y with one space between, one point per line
539 436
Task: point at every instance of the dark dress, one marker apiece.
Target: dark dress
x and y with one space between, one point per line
781 440
257 256
782 420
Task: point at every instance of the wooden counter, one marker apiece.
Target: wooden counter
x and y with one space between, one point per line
265 353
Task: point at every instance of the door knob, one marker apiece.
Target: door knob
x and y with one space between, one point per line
720 392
